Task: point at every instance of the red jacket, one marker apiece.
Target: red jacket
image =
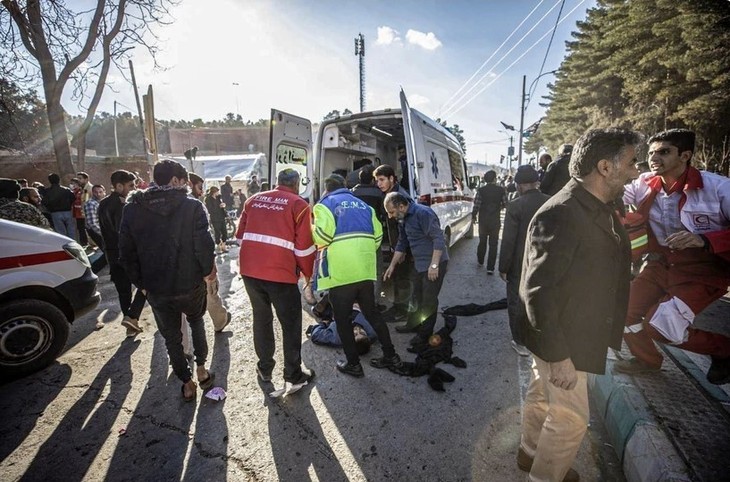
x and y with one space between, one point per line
276 236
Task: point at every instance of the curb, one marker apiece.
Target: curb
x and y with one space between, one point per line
645 451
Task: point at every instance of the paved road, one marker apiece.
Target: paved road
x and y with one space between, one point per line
64 423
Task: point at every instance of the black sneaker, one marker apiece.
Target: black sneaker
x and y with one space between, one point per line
385 361
354 370
633 366
306 376
719 372
264 377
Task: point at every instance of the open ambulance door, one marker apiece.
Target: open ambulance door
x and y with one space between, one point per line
410 141
290 147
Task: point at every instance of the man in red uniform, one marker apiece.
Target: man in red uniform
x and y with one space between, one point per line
689 259
276 248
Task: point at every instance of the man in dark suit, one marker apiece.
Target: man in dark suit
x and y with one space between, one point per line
516 219
557 174
488 204
575 287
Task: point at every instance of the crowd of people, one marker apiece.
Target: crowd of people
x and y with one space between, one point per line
565 255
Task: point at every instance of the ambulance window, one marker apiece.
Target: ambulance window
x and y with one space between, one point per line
292 157
457 170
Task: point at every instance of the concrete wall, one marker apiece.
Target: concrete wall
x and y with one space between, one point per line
219 140
98 169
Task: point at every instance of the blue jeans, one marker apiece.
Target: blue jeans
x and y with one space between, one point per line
64 223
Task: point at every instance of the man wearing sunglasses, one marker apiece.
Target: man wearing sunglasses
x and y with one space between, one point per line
689 257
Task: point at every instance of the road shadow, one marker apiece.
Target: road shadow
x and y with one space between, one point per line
209 459
82 432
299 447
157 438
24 406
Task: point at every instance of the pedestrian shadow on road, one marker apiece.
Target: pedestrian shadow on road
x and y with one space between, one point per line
298 443
19 419
70 451
157 436
208 459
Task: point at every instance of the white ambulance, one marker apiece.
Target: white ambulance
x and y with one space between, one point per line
435 170
45 283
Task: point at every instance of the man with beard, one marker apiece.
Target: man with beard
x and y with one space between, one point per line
575 288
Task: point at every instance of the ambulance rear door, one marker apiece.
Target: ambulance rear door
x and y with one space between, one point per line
290 146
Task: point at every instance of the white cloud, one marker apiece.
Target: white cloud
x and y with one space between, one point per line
427 41
418 101
387 36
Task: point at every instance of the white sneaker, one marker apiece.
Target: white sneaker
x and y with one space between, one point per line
520 349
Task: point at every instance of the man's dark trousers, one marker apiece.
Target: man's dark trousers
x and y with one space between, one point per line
515 308
168 310
402 287
130 307
342 299
488 231
426 296
287 302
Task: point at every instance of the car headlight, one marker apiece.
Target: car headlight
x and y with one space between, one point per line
74 249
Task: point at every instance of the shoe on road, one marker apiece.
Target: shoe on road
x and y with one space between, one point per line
132 325
354 370
305 377
520 349
385 361
719 372
634 366
524 462
228 321
264 377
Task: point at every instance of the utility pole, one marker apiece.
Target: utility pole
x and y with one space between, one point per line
116 139
522 122
360 52
139 112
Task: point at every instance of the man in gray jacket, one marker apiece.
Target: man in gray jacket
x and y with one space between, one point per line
516 219
575 286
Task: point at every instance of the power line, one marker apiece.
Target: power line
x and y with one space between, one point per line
491 56
476 84
512 64
529 95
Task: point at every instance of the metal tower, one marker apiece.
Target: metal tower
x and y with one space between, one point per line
360 52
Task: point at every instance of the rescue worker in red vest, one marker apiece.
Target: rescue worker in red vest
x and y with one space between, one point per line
276 248
689 257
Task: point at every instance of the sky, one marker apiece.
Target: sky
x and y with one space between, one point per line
459 60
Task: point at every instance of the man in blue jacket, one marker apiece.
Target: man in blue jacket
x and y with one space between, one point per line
167 250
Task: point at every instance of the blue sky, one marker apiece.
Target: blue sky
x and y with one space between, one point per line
298 56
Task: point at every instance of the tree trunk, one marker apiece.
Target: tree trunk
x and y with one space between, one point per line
81 153
59 134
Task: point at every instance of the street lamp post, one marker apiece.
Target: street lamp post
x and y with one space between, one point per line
235 84
523 108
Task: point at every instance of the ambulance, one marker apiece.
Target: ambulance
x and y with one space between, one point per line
426 157
46 282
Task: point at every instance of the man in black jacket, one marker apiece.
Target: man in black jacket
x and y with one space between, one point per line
575 286
59 200
516 219
373 197
557 174
488 204
168 251
110 216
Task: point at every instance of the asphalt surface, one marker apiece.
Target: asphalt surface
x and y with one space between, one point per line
111 409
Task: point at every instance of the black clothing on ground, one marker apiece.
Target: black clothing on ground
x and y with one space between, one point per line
556 176
58 198
286 299
472 309
164 242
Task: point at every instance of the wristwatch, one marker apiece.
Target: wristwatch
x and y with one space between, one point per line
434 266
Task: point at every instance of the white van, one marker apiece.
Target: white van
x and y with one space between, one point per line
436 170
45 283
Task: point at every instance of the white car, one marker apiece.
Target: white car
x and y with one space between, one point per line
45 283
